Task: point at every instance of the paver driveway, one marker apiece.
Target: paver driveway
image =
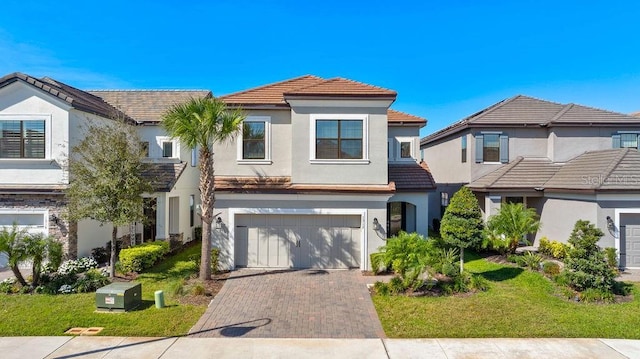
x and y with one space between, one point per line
291 304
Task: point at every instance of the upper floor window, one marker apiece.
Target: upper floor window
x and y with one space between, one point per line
463 140
22 139
254 142
625 140
341 138
404 148
492 147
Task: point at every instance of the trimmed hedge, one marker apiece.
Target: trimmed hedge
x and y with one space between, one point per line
143 256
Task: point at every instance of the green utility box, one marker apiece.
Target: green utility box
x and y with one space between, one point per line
119 297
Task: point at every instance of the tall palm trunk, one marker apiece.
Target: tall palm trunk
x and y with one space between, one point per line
207 198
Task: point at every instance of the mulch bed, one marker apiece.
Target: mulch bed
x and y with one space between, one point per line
212 287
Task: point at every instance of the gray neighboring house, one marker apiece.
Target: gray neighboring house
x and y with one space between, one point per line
321 174
567 161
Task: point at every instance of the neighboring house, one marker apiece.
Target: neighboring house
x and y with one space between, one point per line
322 173
41 120
569 162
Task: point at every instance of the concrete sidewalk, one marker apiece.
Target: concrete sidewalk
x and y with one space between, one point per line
194 348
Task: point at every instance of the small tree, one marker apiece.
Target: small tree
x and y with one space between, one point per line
106 178
512 223
461 224
586 264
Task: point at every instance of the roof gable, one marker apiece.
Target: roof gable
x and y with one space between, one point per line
148 105
78 99
271 94
400 118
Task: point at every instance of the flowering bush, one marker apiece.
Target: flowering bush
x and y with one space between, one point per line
77 266
66 289
8 286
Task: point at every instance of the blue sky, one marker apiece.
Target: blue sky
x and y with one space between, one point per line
446 59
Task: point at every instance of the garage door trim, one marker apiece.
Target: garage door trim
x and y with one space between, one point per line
618 234
304 211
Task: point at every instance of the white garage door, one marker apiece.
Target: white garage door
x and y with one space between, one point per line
630 242
297 241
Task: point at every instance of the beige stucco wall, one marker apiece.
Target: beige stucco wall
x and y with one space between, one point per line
559 215
569 142
445 160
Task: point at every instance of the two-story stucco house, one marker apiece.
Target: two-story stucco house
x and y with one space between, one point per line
41 120
322 173
567 161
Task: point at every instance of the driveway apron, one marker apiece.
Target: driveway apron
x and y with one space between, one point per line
291 304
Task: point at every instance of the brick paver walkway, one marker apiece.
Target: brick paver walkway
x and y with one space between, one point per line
291 304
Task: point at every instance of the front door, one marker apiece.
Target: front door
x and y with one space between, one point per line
149 228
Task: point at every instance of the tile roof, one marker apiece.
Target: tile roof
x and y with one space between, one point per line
271 94
163 175
398 117
306 86
604 170
78 99
341 87
523 110
411 177
147 105
284 185
521 173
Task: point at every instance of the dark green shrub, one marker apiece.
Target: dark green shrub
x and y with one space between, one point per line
381 288
215 260
478 282
100 254
622 288
591 295
91 280
396 285
612 257
513 258
197 233
443 261
407 255
143 256
550 268
586 266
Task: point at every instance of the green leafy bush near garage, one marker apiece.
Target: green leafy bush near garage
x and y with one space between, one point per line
143 256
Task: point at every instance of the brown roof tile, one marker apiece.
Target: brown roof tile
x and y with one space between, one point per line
523 110
78 99
411 177
521 173
271 94
284 185
398 117
340 87
148 105
604 170
163 175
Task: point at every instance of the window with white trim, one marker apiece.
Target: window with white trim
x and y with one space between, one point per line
166 148
23 138
404 148
254 141
339 138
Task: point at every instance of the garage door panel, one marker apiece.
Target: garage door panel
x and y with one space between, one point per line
630 242
299 241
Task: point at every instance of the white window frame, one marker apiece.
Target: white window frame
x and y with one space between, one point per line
398 146
267 143
175 147
44 228
47 134
365 138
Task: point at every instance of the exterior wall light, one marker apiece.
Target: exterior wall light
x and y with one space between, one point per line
610 225
218 222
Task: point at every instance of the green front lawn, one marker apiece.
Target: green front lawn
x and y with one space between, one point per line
48 315
519 303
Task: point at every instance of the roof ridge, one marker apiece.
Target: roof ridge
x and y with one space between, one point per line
271 84
148 90
620 156
560 113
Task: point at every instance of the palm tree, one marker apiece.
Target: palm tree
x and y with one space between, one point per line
514 222
199 123
12 245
